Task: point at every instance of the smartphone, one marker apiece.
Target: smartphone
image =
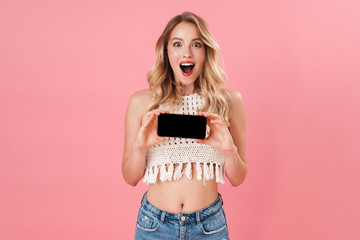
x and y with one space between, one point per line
184 126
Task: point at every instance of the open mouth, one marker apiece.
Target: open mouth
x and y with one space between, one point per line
187 68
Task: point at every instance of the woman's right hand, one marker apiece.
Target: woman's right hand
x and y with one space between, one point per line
147 135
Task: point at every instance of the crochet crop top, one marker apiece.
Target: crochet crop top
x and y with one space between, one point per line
160 158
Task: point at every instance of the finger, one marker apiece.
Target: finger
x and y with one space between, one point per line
216 122
148 115
205 114
158 111
149 119
210 115
202 141
199 140
164 111
162 139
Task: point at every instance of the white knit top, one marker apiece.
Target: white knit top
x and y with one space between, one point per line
161 157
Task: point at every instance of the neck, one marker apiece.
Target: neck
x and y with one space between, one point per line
188 90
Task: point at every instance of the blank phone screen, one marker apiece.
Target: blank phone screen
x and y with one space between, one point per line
184 126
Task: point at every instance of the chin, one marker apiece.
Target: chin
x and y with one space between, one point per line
187 80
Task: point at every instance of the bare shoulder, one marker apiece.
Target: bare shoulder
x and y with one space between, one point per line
141 99
236 99
236 106
139 102
141 96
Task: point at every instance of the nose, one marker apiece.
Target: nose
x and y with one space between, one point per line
187 52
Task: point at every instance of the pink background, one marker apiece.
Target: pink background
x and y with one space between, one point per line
68 68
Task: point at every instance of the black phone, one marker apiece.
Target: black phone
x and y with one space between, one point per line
184 126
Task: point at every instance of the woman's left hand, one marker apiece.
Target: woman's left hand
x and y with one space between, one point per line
219 136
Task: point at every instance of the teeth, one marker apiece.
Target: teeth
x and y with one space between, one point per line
186 64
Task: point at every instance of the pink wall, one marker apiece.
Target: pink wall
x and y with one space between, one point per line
67 69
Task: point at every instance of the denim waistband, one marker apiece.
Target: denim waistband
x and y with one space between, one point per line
197 216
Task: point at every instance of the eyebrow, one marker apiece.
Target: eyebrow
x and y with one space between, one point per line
176 38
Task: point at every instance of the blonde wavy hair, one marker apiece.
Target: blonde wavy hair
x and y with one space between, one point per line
210 81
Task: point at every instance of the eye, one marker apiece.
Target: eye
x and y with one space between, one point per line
177 44
197 44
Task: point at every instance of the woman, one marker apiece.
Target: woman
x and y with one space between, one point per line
182 201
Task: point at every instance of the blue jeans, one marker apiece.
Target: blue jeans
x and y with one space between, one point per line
208 223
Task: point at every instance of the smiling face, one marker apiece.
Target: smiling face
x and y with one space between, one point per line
186 54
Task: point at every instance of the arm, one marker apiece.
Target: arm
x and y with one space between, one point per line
231 141
140 134
235 159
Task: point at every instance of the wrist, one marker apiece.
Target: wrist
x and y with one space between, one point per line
230 150
141 148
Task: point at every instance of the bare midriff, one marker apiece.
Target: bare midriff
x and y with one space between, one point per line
182 196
